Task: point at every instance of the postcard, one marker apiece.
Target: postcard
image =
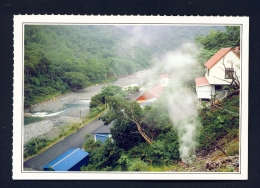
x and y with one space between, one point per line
130 97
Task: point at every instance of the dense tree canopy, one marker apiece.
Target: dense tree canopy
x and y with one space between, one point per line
62 58
128 146
216 40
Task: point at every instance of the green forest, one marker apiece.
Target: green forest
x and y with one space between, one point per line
64 58
69 58
216 40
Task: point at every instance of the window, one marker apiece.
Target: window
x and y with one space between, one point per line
229 72
218 87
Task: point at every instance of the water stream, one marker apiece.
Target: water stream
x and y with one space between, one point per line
71 106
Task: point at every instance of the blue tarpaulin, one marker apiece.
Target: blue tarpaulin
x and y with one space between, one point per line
71 160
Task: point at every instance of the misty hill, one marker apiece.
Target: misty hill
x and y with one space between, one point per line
162 38
61 58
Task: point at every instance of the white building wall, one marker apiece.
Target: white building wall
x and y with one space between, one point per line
164 82
218 70
205 92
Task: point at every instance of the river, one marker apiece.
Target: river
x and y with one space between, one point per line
50 115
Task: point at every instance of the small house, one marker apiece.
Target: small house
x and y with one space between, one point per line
103 133
155 92
71 160
219 72
164 78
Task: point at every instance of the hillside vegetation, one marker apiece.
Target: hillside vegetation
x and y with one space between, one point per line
144 139
63 58
128 150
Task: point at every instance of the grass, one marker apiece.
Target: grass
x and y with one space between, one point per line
233 147
164 168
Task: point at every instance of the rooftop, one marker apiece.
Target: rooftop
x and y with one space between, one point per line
201 81
156 91
67 160
215 58
105 129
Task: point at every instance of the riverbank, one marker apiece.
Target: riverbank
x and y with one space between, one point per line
60 115
59 102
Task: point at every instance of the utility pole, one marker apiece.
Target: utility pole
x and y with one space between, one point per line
80 116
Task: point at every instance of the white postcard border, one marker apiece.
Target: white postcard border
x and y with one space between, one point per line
20 20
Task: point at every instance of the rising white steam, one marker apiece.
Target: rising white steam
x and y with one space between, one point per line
180 100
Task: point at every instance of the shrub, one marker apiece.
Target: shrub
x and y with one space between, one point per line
123 161
34 145
105 155
138 165
219 122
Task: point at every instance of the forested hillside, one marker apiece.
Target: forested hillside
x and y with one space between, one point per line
216 40
62 58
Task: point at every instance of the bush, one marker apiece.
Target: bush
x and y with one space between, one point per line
123 161
90 145
162 151
219 122
138 165
34 145
105 155
95 111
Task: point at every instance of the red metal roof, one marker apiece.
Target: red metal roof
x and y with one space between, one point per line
214 59
201 81
156 91
152 93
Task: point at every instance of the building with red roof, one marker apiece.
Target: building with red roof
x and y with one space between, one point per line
219 70
155 92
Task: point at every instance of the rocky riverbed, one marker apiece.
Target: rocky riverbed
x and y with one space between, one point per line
58 112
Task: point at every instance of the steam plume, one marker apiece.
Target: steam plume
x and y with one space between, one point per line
180 100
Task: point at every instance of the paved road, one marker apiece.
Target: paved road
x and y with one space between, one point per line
75 140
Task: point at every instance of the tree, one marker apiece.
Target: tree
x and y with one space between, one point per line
234 82
61 58
124 131
216 40
129 116
132 112
106 92
76 80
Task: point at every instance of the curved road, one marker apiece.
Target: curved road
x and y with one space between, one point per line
75 140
